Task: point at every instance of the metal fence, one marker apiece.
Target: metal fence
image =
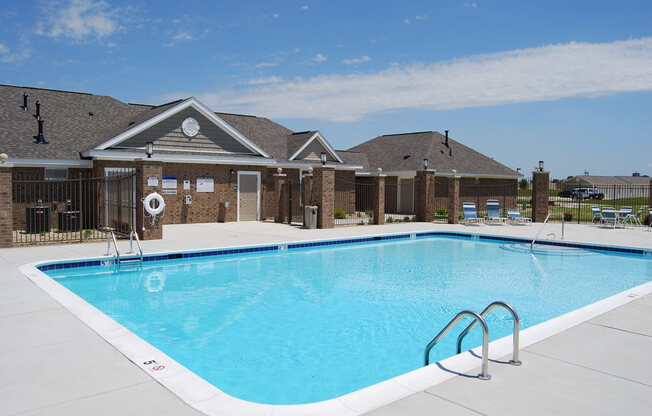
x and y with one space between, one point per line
353 201
577 200
400 201
72 210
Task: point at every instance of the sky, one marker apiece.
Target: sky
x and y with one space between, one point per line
566 82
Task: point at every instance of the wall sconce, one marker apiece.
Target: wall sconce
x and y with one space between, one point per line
425 164
541 166
149 149
231 172
323 158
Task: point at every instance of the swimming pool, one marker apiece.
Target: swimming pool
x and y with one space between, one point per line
299 323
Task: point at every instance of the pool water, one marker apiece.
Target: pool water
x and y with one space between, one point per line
305 325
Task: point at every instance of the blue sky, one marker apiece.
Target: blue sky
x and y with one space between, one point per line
567 82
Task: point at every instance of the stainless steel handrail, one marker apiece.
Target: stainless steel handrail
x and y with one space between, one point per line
110 237
485 312
484 375
133 234
544 224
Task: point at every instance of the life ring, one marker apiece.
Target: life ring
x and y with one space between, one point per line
148 203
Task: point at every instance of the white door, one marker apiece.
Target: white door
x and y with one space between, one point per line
248 196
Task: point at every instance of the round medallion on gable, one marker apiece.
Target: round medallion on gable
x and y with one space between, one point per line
190 127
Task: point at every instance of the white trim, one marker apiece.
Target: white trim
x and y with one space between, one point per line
189 102
172 158
324 144
245 172
37 163
443 174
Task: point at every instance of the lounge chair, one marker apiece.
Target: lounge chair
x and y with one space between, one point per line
627 215
515 217
650 218
611 216
470 214
597 215
493 212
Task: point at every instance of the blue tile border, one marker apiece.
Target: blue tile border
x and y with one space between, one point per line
353 240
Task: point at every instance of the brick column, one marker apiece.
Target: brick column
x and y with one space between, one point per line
453 198
6 208
324 195
540 195
378 202
650 202
145 169
279 206
307 189
425 195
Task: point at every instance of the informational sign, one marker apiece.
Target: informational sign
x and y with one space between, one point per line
205 184
169 191
169 182
186 184
152 181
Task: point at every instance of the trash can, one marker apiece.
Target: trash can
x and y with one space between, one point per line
37 219
69 221
310 217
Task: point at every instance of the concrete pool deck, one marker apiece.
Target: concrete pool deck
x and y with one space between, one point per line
52 363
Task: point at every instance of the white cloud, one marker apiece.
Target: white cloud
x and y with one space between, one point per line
319 58
406 21
262 80
275 15
6 56
183 36
3 48
365 58
266 64
421 17
472 4
304 7
543 73
79 20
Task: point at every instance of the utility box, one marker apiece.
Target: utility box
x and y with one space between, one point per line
69 221
37 219
310 217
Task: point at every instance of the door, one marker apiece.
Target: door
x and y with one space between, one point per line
248 196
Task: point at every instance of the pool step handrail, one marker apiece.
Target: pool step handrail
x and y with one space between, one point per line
111 238
484 375
544 224
133 235
483 314
118 260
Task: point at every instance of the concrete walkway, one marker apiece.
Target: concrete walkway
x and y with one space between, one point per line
53 364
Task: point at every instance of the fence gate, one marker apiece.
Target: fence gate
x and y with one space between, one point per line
72 210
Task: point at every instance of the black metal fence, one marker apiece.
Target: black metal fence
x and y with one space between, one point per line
353 201
72 210
504 192
400 201
577 199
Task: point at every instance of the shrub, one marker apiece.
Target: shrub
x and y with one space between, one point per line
340 214
369 213
406 219
442 211
389 220
415 219
568 216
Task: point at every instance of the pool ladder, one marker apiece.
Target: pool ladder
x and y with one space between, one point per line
544 224
479 318
125 260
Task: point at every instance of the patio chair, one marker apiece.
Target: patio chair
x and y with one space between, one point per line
626 213
516 218
650 215
611 216
493 212
470 214
597 215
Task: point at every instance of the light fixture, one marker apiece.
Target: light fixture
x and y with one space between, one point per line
149 149
425 164
541 166
231 172
323 158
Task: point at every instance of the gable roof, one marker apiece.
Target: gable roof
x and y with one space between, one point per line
611 180
405 153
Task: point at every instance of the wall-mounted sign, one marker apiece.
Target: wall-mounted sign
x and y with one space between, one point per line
169 182
169 191
186 184
205 184
152 181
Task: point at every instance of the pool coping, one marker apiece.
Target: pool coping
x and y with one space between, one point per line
207 398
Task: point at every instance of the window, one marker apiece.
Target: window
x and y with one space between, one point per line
56 174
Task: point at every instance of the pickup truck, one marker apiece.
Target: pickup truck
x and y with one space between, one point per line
586 193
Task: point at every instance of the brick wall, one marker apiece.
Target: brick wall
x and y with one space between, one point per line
324 190
6 217
540 196
345 190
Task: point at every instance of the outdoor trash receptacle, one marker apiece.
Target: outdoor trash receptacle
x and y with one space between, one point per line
310 217
37 219
69 221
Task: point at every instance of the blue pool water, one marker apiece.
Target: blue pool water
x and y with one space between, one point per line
304 325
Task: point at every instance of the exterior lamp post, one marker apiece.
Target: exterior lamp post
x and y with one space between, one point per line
323 158
149 149
541 166
425 164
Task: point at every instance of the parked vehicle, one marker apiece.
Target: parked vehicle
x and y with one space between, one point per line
586 193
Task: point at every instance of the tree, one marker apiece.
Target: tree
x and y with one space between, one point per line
523 184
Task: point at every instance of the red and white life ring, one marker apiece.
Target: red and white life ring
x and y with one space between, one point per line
149 207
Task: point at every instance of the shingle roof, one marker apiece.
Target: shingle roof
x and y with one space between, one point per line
68 123
296 140
612 180
405 152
